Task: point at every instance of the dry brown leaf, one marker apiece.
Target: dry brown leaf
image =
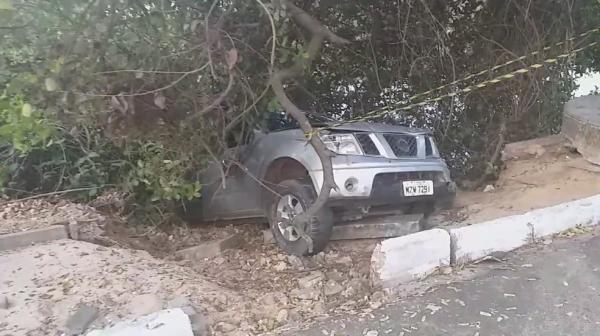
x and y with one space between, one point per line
160 101
231 57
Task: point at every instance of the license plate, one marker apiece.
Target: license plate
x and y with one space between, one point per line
417 188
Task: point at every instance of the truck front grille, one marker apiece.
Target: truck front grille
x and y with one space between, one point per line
391 178
368 147
403 145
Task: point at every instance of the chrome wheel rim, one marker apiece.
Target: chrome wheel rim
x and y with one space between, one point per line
288 207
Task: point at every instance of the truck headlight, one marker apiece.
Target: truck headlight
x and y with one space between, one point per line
342 143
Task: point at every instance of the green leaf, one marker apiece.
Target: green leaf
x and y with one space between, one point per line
26 110
51 84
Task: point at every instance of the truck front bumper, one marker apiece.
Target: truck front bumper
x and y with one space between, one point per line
380 181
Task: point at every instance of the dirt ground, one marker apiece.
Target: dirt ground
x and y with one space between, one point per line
44 284
39 213
529 184
252 290
279 289
265 290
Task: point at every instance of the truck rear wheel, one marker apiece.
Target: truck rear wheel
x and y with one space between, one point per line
295 197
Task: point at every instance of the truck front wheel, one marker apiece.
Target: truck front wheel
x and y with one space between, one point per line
294 197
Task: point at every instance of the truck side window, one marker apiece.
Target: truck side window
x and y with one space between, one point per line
240 135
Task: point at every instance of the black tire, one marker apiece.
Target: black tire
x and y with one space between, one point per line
191 212
319 229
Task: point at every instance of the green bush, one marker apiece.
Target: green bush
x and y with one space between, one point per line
39 155
158 174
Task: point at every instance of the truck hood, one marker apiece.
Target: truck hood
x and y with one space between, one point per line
376 128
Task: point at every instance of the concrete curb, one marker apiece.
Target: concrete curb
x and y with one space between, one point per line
508 233
411 257
408 258
13 241
561 217
499 235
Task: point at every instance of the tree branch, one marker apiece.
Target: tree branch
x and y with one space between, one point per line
319 33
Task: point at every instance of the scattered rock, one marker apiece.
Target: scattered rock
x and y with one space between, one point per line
219 261
268 299
280 266
376 300
295 315
332 288
377 296
295 261
280 256
73 229
319 258
335 275
345 260
183 303
144 304
488 188
268 237
305 294
200 325
372 333
281 298
375 304
282 316
81 320
311 280
532 148
211 249
225 327
331 256
354 287
446 270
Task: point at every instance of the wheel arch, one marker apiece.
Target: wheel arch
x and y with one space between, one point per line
281 169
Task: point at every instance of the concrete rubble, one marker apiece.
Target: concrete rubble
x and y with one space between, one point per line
79 322
373 228
581 126
533 148
211 249
162 323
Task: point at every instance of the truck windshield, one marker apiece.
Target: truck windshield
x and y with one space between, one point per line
279 121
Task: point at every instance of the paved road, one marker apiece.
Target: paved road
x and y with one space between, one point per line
544 290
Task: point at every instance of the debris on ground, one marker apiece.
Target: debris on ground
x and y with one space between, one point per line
533 148
18 216
47 284
161 323
575 231
211 249
83 317
253 288
228 291
488 188
556 177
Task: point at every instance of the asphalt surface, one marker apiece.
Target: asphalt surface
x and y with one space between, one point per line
548 289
